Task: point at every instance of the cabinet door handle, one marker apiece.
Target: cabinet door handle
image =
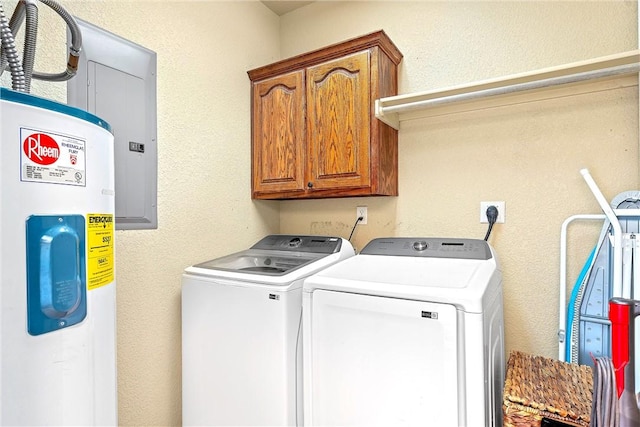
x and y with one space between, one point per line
310 184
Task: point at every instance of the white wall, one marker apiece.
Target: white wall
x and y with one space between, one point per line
528 155
204 206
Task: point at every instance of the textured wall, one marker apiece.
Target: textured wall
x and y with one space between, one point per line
528 155
204 205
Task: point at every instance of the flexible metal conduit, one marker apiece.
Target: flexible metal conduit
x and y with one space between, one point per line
74 49
21 73
11 54
14 26
30 37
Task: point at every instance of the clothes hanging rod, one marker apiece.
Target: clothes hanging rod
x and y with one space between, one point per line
389 109
506 90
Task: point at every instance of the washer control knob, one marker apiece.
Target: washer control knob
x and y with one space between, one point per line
420 245
295 242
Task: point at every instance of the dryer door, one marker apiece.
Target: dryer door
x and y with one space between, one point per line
377 361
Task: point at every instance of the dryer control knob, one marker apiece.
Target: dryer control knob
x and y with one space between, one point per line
420 245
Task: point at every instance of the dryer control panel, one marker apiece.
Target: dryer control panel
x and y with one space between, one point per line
429 247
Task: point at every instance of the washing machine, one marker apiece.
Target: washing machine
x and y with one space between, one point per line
241 331
407 333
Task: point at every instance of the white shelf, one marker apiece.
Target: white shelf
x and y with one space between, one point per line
392 110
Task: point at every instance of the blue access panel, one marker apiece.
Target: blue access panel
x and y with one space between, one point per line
56 272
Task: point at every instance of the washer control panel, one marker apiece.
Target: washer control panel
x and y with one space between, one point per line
429 247
286 242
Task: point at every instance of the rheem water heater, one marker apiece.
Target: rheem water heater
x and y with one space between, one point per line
57 278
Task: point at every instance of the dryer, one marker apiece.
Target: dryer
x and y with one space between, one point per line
241 331
409 332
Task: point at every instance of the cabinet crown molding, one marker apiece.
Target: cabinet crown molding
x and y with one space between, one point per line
376 39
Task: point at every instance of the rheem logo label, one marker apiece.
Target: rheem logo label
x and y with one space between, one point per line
41 149
51 158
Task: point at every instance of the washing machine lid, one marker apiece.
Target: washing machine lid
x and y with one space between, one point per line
462 272
276 255
254 261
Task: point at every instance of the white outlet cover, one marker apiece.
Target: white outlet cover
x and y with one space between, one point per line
362 211
501 212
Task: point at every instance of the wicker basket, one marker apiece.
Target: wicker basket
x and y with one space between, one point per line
537 388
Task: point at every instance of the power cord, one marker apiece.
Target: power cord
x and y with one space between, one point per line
492 217
354 226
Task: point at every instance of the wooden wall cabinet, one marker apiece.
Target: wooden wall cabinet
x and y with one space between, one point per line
313 128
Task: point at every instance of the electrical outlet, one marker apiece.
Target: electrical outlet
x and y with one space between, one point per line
501 212
361 211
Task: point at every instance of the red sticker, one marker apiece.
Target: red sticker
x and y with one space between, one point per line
41 148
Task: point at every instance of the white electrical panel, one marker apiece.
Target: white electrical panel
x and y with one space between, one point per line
116 81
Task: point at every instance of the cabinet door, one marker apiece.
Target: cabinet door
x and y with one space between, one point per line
339 123
278 132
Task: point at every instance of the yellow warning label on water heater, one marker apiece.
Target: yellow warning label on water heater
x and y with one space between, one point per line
100 262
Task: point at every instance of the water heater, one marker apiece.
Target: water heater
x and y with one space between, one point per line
57 277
